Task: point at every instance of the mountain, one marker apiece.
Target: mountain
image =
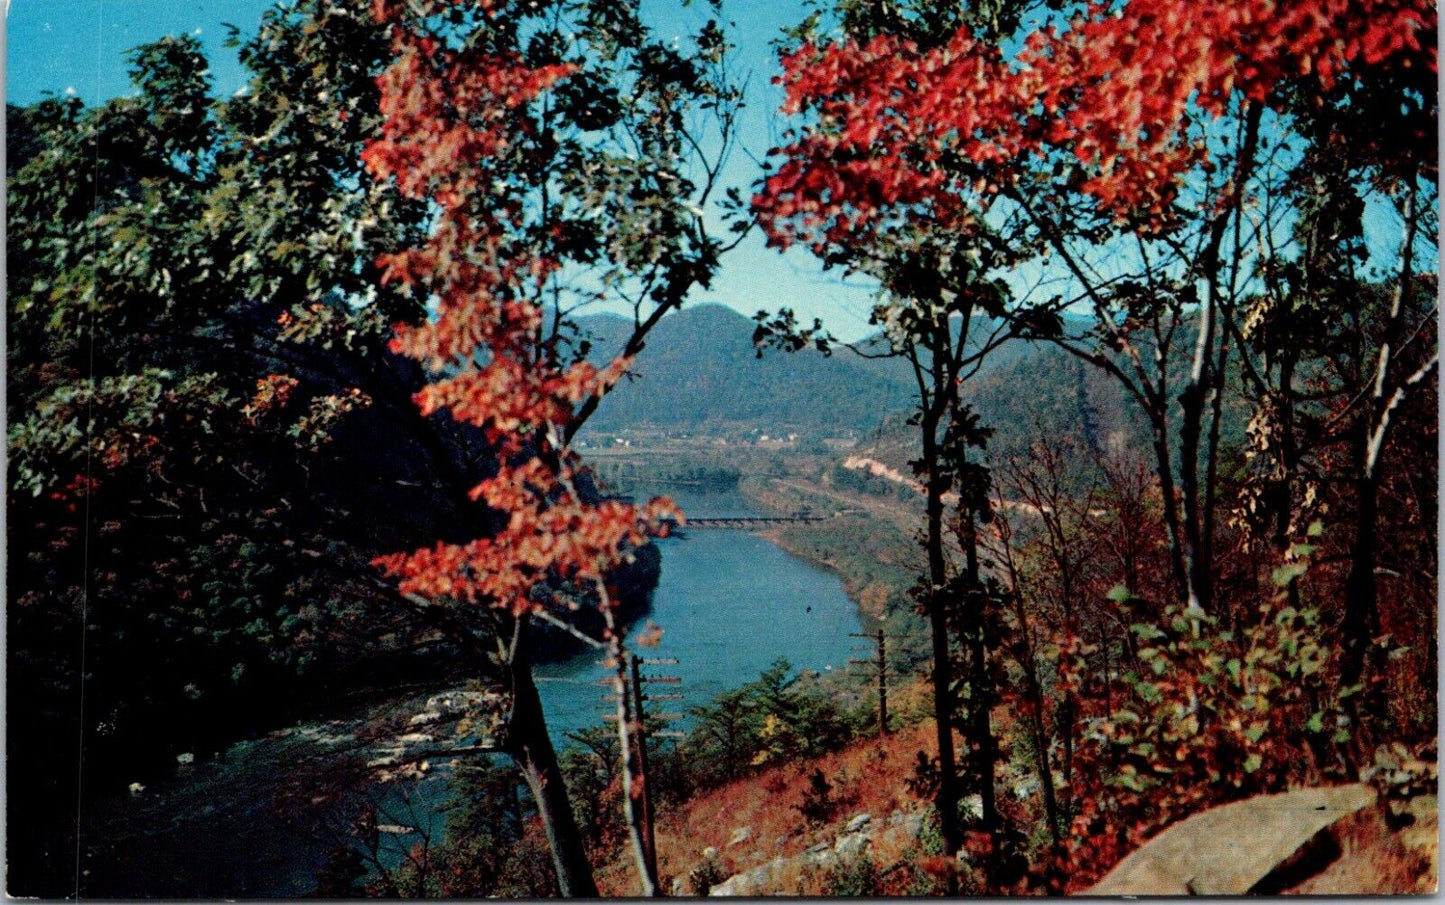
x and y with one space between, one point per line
700 373
1028 391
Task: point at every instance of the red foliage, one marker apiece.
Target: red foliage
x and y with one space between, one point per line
907 131
272 392
451 117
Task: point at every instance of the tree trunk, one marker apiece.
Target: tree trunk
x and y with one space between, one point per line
1288 465
530 747
1197 566
1040 734
1360 621
947 803
1164 468
635 793
981 691
1211 464
1206 384
1361 617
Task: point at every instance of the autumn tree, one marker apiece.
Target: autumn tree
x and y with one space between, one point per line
943 308
1131 139
1163 158
554 144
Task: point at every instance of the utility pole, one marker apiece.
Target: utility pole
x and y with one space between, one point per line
882 684
631 716
881 666
649 843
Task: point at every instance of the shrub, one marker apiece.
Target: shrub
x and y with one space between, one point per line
1209 718
818 804
853 877
705 876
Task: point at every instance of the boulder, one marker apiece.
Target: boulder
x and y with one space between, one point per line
740 835
858 822
852 845
1229 849
753 882
821 855
908 826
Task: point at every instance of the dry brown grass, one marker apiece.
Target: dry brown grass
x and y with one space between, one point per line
869 776
1372 858
1365 856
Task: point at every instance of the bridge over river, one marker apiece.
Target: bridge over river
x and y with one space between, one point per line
754 521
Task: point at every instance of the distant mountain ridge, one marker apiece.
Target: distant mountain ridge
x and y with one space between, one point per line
700 373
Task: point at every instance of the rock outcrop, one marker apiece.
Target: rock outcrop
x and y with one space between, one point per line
1228 850
855 840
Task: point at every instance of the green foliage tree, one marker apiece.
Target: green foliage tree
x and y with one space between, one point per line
163 431
779 718
209 436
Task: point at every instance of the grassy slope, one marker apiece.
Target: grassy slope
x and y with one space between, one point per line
871 546
868 777
1366 856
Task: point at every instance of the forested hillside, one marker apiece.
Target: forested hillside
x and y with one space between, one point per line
702 373
705 376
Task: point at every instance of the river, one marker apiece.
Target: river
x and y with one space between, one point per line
730 603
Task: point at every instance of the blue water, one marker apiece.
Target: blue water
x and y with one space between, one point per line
730 604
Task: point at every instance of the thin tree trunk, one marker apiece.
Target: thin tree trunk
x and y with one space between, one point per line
1289 458
981 691
947 804
634 768
1206 382
1211 466
1041 745
1191 401
1034 692
1360 621
1068 707
1164 467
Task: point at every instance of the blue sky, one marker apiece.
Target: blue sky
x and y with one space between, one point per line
78 46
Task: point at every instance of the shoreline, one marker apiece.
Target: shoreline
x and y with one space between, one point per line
871 576
851 586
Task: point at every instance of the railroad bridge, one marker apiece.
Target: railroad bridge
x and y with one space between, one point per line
753 521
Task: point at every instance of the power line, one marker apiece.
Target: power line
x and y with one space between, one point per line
881 666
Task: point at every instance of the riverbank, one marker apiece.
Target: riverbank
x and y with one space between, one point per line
869 544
